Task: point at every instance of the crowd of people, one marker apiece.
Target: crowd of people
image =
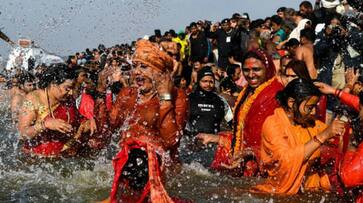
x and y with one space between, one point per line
279 98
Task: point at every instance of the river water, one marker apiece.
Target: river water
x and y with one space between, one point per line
89 179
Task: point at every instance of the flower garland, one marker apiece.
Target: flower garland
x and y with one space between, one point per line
244 111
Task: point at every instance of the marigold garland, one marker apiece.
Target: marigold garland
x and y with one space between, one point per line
244 111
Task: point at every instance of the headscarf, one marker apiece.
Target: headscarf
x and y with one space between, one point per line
151 55
266 60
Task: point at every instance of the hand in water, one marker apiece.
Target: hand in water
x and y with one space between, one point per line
87 126
238 158
57 125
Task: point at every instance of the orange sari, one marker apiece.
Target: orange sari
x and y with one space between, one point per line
282 156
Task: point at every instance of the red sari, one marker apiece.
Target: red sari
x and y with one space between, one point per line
250 115
50 143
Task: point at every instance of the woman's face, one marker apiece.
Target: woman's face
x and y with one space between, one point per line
62 91
144 77
254 72
305 115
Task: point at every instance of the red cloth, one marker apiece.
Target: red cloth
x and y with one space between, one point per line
87 106
350 100
49 142
148 118
109 100
321 109
351 171
262 107
47 149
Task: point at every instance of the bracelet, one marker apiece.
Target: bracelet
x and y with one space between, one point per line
349 86
39 126
165 97
337 92
316 139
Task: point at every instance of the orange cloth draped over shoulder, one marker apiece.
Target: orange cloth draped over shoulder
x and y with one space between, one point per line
282 156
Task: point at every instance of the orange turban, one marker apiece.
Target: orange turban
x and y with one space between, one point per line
151 55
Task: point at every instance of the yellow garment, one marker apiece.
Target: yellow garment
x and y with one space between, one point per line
184 46
282 156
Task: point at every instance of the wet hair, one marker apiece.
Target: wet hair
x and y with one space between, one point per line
299 89
136 169
306 4
25 77
308 33
276 19
56 74
300 69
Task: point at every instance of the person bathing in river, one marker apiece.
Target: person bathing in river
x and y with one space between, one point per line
49 119
291 142
148 119
26 84
254 104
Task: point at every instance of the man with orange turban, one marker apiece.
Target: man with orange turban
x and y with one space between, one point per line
148 117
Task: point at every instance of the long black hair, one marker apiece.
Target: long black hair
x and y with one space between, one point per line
56 74
299 89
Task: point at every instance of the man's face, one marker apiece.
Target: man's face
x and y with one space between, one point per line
28 87
254 72
275 27
183 83
197 66
234 23
226 26
114 63
82 76
193 30
357 88
237 74
144 76
281 14
305 114
305 10
207 83
290 75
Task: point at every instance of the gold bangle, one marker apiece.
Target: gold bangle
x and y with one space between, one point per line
317 140
39 126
